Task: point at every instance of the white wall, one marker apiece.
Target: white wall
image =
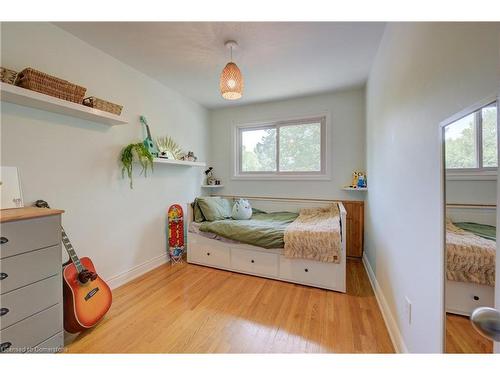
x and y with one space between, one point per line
74 164
423 73
347 128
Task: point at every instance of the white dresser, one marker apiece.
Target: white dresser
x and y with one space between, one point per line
31 299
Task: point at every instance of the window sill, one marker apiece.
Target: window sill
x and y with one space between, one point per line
472 176
257 177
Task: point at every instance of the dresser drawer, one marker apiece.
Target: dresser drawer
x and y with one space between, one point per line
307 271
32 331
27 268
51 345
26 301
26 235
213 255
254 262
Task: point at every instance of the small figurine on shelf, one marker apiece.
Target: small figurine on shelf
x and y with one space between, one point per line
358 180
210 176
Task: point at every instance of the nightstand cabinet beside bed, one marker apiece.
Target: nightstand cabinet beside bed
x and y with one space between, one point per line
31 304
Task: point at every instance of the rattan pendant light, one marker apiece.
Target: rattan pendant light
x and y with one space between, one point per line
231 80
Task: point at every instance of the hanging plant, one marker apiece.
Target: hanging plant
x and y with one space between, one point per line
135 151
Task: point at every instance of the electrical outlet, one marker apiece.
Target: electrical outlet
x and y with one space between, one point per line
408 309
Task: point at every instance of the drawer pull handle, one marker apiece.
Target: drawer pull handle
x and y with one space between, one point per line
208 254
3 240
476 298
4 346
253 261
3 275
306 270
3 311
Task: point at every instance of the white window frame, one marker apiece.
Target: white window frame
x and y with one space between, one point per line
323 174
480 172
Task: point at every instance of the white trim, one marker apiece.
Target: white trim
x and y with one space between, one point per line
472 175
390 322
126 276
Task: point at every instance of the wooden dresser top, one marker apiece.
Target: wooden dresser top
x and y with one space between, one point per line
14 214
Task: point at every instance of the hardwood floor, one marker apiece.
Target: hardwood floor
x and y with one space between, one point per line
186 308
462 338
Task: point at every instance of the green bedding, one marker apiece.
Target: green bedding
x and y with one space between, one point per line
263 229
481 230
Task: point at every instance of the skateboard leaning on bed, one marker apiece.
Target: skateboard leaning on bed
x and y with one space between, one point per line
175 233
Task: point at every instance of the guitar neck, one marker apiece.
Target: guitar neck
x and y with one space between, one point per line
143 120
71 251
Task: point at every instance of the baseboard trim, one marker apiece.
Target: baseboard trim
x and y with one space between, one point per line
134 272
390 322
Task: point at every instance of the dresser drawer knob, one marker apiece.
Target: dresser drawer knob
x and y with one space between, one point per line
208 254
476 298
3 311
253 261
4 346
3 275
306 270
3 240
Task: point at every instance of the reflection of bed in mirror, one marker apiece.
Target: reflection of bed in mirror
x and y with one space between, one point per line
470 257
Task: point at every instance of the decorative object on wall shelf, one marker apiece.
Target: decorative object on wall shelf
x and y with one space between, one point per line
148 141
211 180
139 152
103 105
231 79
18 95
358 181
44 83
189 156
183 163
7 75
168 149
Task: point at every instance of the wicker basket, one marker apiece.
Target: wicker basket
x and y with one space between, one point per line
103 105
7 75
35 80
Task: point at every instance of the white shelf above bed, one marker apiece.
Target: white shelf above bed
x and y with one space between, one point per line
28 98
354 189
212 186
183 163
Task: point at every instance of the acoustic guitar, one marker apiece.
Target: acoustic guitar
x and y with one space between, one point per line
87 298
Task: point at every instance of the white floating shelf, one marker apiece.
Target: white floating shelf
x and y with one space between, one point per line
18 95
212 186
354 189
180 162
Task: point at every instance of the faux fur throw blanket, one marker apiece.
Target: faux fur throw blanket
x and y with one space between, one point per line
315 235
469 258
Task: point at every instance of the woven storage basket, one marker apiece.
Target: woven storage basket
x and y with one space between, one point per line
103 105
7 75
35 80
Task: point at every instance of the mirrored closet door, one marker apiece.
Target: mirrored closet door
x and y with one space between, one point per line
470 167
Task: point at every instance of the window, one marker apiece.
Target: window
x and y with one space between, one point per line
471 142
283 148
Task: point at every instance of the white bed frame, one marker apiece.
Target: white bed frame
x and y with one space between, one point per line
461 297
270 263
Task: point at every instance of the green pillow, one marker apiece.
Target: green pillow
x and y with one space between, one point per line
214 208
198 215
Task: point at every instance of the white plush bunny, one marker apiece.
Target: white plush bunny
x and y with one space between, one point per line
242 210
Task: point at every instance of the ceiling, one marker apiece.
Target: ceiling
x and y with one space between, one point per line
279 60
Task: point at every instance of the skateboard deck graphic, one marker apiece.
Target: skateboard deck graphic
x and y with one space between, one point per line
175 232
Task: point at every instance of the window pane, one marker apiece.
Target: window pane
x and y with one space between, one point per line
300 148
489 119
258 150
460 143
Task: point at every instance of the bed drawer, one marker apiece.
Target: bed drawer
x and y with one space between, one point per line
209 254
32 331
307 271
254 262
27 268
26 301
26 235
